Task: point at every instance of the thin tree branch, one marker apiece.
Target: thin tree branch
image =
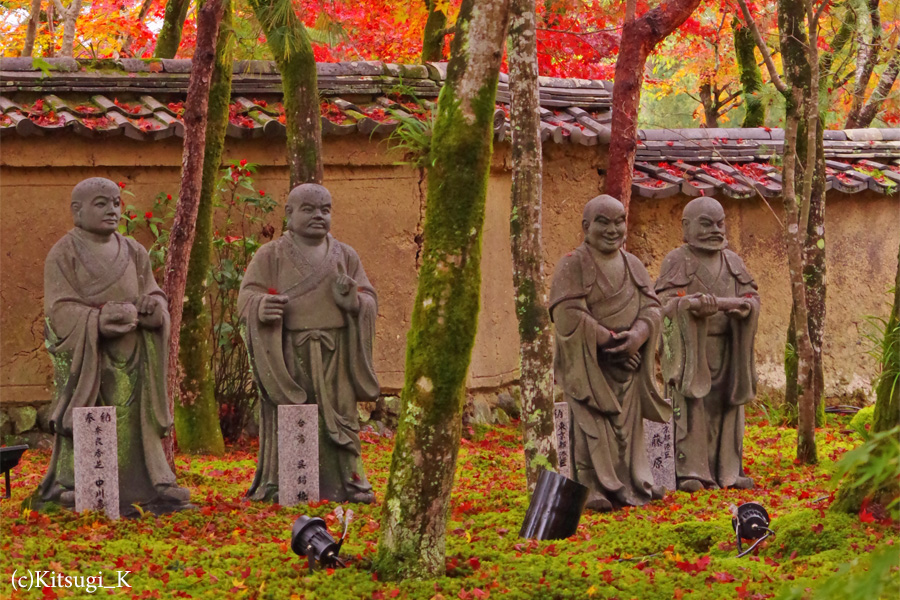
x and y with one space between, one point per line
763 49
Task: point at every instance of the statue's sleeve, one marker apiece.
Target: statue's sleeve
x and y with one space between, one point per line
362 330
72 332
653 407
743 332
575 361
264 340
156 346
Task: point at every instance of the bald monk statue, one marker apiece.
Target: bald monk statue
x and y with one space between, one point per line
607 323
712 309
107 329
308 319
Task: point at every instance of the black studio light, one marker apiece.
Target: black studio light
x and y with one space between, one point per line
555 508
9 458
310 538
751 522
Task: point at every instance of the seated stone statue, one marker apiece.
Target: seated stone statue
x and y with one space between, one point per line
308 313
107 329
712 308
607 323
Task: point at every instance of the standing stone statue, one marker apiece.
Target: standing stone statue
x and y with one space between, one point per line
712 309
308 313
607 323
107 329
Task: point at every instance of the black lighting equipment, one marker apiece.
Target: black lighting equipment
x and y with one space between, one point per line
555 508
310 538
9 458
751 522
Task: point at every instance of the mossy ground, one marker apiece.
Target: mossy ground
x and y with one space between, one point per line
680 547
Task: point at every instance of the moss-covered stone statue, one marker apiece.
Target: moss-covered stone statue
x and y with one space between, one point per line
712 309
607 323
308 313
107 328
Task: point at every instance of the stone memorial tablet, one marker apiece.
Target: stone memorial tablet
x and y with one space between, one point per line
96 460
660 452
298 454
561 425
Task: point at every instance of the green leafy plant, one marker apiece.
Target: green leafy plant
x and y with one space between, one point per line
412 138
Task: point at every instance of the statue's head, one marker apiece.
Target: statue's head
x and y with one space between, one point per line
603 223
97 205
703 224
308 211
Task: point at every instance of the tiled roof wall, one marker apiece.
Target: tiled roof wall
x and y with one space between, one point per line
144 100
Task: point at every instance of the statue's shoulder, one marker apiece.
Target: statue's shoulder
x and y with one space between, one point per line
63 247
346 249
638 271
574 264
676 269
136 248
737 267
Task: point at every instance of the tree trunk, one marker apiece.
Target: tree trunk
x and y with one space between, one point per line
291 47
70 19
445 314
535 341
751 77
879 94
639 37
710 105
181 237
34 19
868 44
800 164
170 35
196 411
435 31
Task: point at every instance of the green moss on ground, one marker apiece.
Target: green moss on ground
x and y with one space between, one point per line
681 546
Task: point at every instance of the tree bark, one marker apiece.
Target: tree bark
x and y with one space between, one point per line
801 159
445 314
751 76
435 31
69 16
868 44
870 110
173 23
196 411
181 237
639 37
292 49
535 341
34 19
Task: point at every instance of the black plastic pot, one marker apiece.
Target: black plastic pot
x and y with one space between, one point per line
555 508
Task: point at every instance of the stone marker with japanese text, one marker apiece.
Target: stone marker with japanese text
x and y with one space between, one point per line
96 460
298 454
660 452
561 426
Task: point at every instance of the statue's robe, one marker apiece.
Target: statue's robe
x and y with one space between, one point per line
708 365
317 354
608 402
127 372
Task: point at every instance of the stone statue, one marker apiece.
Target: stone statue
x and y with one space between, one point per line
107 329
607 324
308 313
712 308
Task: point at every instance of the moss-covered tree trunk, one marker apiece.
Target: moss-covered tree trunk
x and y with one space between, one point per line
535 341
196 108
292 49
445 315
850 497
196 410
173 23
800 165
639 37
751 77
435 31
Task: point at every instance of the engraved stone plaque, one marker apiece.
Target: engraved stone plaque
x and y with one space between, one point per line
298 454
562 425
659 439
96 460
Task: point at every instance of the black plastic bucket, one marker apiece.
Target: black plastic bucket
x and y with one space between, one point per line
555 508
